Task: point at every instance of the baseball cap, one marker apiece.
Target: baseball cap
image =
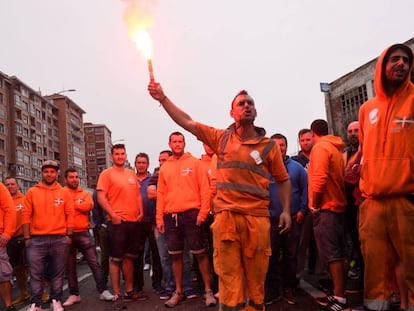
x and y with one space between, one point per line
50 164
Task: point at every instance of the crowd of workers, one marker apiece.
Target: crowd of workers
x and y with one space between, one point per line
246 216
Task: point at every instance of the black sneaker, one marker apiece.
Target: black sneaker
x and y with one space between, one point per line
118 303
140 296
271 300
324 301
335 305
158 288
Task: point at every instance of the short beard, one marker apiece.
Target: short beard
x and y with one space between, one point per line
49 183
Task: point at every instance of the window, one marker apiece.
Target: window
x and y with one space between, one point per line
352 100
20 170
99 137
1 98
26 159
35 174
101 161
19 128
77 160
2 144
17 100
77 150
2 113
26 145
2 128
19 155
18 114
34 160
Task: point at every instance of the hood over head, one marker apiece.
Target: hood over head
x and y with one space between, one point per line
380 68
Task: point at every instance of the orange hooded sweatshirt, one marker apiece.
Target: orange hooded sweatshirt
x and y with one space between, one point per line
182 185
387 138
326 173
48 210
18 199
209 165
83 204
7 213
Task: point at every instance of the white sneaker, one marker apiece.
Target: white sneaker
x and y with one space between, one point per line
33 307
209 297
106 295
57 306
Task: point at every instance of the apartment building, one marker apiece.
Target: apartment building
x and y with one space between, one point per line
71 135
98 145
34 128
344 96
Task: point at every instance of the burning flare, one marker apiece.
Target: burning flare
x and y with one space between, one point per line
143 41
138 18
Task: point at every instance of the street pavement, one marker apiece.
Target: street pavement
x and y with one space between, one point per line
90 298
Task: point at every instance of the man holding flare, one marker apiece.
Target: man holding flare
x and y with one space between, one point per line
241 229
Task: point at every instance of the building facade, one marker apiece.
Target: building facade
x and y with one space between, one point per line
98 145
71 135
34 128
346 94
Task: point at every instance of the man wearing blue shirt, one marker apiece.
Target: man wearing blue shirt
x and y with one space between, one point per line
286 243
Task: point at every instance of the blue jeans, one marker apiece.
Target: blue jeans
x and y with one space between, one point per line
53 251
83 242
166 263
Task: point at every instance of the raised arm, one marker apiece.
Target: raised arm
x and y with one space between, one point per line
179 116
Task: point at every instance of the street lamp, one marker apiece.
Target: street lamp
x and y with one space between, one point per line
64 91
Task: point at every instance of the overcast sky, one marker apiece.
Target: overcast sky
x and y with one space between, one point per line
204 52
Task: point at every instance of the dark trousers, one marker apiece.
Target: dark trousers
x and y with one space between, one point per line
148 232
283 262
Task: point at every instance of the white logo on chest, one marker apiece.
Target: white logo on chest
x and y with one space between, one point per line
373 116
